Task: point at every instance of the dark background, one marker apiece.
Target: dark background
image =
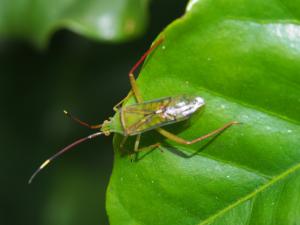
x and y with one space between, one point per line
86 77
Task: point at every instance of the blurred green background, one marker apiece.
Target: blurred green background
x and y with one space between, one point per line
86 77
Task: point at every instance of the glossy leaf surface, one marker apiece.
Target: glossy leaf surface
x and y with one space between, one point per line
114 20
243 58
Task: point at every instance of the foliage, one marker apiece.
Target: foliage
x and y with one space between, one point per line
243 57
36 21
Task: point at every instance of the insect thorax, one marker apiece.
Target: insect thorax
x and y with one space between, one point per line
138 118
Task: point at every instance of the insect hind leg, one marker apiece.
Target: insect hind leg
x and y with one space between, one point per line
134 86
180 140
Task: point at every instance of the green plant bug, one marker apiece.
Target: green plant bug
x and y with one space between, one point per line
143 116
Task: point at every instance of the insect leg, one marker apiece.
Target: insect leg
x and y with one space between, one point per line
136 148
121 102
123 142
180 140
132 80
149 147
137 142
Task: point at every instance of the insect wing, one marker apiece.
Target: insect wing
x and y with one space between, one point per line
142 117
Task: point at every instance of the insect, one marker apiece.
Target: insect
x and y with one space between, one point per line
135 119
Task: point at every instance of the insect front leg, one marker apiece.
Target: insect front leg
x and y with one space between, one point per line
180 140
116 107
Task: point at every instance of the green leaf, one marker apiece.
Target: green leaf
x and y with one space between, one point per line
36 21
243 57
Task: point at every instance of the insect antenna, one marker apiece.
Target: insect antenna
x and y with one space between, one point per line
75 119
65 149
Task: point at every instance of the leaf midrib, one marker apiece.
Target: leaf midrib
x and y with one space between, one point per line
273 181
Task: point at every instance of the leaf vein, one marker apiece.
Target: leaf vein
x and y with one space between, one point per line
273 181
